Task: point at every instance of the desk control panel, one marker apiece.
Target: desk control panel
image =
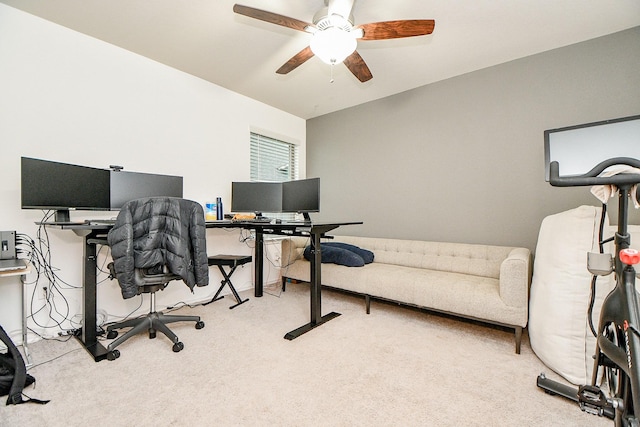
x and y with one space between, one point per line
101 221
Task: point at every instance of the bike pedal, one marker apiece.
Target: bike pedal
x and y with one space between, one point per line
592 400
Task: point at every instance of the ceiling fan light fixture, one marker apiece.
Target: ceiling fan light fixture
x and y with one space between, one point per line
324 21
332 44
334 38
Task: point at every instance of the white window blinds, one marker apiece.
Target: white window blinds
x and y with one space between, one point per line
272 160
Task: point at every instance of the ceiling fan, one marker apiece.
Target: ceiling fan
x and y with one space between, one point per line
334 35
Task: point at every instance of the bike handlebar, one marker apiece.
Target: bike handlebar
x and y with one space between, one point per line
592 178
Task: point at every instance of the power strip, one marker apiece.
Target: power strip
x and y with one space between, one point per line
7 244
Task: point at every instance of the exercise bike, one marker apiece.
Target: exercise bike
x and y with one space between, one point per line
617 353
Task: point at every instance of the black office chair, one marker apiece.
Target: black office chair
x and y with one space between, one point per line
155 241
149 282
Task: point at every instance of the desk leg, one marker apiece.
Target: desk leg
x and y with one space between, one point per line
258 263
25 348
88 337
316 280
317 318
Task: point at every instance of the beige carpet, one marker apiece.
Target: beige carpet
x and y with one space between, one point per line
394 367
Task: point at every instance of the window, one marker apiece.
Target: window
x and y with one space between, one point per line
272 160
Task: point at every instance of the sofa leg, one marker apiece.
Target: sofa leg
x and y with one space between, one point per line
284 284
367 303
518 338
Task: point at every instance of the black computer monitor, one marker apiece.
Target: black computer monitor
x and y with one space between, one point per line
578 149
256 197
125 186
301 196
62 187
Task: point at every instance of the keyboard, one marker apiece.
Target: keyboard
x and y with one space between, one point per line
261 220
252 221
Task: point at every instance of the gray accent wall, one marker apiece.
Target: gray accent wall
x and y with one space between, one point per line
462 160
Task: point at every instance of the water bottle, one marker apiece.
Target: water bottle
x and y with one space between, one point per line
219 210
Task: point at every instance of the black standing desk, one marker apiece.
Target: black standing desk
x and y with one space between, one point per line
313 230
93 235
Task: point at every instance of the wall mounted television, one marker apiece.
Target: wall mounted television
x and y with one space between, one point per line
579 148
49 185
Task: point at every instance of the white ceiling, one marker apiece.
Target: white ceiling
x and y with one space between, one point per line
206 39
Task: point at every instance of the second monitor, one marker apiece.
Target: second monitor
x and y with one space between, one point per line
125 186
302 195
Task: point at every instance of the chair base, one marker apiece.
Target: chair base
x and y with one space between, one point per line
152 322
149 281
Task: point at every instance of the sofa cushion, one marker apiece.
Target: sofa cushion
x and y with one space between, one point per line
366 254
336 255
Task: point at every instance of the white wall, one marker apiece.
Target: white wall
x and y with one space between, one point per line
71 98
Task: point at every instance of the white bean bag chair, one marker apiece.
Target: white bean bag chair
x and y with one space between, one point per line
560 292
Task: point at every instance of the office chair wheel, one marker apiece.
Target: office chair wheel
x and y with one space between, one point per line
177 347
199 324
112 334
152 333
113 354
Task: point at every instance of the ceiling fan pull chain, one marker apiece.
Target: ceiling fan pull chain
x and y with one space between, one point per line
331 79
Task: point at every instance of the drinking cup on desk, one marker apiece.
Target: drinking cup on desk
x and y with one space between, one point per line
210 212
219 211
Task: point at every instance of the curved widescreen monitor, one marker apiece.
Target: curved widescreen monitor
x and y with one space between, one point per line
578 149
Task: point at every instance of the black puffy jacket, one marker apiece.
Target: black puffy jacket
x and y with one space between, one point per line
159 231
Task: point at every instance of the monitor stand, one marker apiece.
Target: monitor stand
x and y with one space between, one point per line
62 215
306 216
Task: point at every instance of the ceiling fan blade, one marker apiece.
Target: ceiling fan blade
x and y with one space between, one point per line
299 59
270 17
357 66
397 29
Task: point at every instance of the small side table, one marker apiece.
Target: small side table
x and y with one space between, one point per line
233 261
23 278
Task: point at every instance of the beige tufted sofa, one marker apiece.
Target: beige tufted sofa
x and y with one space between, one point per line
480 282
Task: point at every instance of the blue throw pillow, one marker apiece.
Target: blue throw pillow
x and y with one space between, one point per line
336 255
365 254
